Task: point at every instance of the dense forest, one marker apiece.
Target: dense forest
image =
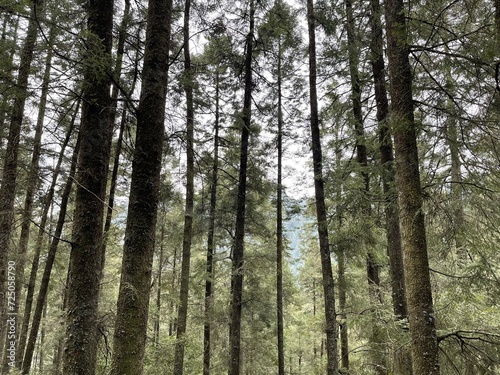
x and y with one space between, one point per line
252 187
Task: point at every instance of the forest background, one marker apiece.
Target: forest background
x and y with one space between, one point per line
249 187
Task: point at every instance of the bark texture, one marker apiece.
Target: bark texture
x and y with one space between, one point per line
85 261
238 252
321 211
133 298
422 321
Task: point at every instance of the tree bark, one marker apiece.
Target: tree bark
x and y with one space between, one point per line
85 260
188 213
416 264
211 236
133 298
321 211
238 252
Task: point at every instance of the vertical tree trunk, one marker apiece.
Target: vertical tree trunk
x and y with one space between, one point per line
279 227
321 211
51 255
416 264
211 236
133 298
238 253
85 259
9 178
156 335
188 214
33 178
41 233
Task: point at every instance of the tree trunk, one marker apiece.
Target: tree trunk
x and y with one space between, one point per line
133 298
238 253
85 260
188 214
41 233
9 178
279 227
321 211
158 289
416 264
51 255
211 237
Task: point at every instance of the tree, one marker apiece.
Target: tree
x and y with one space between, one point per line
418 287
321 211
133 299
85 260
239 241
188 216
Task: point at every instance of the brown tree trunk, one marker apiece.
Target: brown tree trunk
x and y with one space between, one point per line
416 264
85 259
321 211
238 252
9 177
133 298
188 213
211 237
51 255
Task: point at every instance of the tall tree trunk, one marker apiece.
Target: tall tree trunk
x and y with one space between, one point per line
279 226
51 256
9 178
416 264
41 233
188 213
372 268
133 298
120 50
158 289
85 259
211 236
33 179
340 252
238 253
321 211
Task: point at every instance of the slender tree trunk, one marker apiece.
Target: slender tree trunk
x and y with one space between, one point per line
238 253
211 237
321 211
188 214
51 255
158 288
416 264
120 50
279 226
9 178
85 259
33 179
133 299
340 252
41 233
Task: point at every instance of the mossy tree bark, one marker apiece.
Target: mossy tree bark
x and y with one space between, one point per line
85 261
421 317
321 211
238 251
140 232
